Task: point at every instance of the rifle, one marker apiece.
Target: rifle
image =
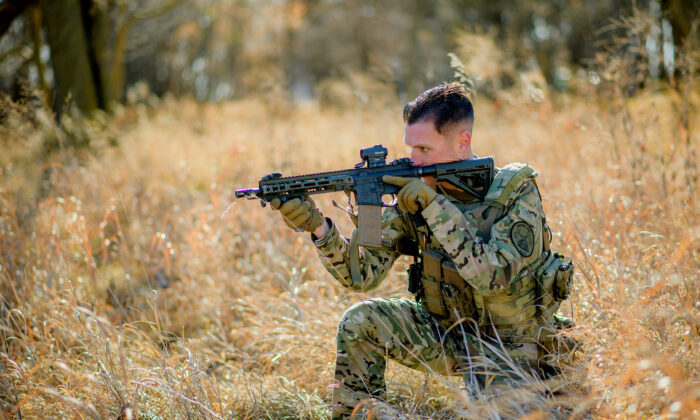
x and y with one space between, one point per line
365 182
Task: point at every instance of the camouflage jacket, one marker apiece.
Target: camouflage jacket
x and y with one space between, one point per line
489 246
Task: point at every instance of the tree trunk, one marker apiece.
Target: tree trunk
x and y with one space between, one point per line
102 52
72 66
35 19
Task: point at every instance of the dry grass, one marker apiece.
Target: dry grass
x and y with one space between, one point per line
133 288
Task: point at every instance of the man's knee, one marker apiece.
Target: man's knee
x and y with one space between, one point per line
359 317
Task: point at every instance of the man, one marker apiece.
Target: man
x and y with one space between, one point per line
475 310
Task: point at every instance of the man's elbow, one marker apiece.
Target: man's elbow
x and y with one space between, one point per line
359 285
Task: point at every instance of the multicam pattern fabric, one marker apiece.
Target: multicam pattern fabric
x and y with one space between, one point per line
476 236
376 329
488 265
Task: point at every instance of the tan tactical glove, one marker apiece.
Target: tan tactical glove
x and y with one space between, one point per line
414 196
298 215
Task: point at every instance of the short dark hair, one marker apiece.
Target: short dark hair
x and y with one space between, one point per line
445 105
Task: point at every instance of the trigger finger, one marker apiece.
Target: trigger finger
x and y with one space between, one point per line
395 180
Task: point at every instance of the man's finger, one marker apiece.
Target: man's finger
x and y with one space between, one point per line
276 203
295 212
402 206
408 196
290 205
309 200
396 180
288 223
401 202
409 201
299 219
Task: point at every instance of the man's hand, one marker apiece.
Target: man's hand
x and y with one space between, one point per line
414 196
298 215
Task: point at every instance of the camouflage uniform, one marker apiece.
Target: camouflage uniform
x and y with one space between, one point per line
490 247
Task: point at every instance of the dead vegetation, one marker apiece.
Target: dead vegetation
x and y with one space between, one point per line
133 286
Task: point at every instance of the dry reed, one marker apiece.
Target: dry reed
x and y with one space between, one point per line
132 286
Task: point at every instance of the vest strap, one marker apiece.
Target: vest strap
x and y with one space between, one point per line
506 181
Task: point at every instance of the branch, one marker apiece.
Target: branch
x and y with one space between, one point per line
144 14
22 51
156 10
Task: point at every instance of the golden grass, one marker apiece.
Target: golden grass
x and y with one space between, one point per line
133 286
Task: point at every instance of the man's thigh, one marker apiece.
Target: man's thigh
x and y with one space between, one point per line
402 331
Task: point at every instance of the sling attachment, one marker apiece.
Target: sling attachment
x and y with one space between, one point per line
349 210
355 271
354 252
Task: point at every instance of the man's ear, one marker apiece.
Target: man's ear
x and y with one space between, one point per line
465 140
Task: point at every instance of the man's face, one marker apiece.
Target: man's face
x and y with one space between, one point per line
429 147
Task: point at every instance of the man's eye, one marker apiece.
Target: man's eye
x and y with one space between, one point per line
423 149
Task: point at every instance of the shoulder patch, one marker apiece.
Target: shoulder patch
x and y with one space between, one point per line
523 238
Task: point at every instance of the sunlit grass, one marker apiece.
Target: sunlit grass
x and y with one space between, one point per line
135 285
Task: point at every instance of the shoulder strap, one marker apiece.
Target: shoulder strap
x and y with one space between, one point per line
500 194
507 179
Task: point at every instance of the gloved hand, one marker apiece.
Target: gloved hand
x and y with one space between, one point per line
298 215
414 196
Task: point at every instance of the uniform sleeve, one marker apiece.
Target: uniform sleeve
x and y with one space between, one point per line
334 250
515 240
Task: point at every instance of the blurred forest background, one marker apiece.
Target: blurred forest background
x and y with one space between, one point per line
134 285
94 50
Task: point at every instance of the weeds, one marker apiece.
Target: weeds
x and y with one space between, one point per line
133 288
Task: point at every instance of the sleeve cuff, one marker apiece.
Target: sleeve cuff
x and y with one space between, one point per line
332 231
433 209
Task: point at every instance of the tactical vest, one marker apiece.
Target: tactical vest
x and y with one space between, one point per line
534 293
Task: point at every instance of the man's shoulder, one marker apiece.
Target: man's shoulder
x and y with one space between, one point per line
510 182
513 172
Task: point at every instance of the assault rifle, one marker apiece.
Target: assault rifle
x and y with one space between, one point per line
365 181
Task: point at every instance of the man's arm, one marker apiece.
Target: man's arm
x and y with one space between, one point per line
334 250
515 242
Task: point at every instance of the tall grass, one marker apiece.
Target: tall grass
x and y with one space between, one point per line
134 286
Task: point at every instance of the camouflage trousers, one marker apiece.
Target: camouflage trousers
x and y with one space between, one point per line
374 330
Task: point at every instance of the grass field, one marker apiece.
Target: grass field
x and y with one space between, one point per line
135 286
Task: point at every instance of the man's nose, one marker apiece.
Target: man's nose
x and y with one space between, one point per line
416 161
